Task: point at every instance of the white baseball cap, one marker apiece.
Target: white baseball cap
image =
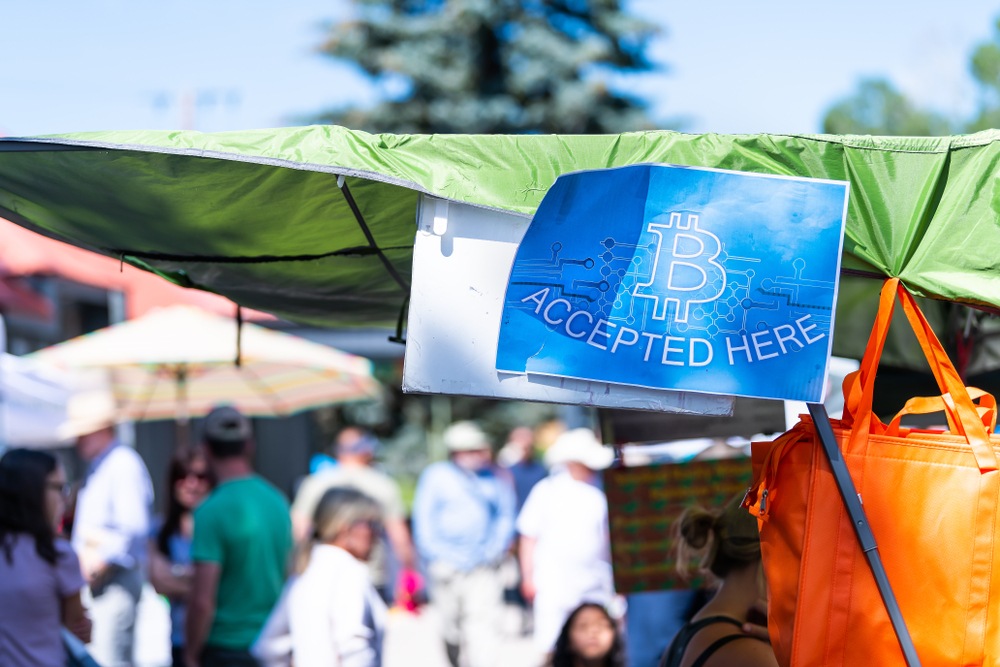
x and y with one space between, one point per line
465 436
580 445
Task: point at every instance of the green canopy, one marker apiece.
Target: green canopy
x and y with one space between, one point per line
259 216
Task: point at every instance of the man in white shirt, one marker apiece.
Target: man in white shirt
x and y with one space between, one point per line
111 524
564 547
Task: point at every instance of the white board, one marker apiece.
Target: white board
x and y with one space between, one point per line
839 369
33 402
461 263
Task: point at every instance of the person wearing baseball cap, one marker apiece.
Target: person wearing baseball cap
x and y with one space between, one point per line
240 549
111 522
463 519
565 548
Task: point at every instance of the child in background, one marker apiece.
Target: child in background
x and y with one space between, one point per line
589 638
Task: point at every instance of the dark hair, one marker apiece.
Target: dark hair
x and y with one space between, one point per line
180 466
23 476
563 656
227 432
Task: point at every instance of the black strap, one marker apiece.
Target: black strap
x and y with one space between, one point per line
712 620
675 653
715 646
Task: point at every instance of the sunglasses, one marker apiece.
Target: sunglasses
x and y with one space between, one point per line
199 475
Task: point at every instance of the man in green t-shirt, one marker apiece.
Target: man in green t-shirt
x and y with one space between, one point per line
242 542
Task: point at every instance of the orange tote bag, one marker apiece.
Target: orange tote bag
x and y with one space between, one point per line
931 499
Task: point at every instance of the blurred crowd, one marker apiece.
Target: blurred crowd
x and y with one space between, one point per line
255 581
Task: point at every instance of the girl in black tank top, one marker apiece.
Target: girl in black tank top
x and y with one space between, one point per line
675 653
729 546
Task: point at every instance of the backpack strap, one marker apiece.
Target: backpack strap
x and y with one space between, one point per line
675 652
716 645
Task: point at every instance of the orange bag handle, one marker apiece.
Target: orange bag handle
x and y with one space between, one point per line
940 364
853 385
920 405
859 386
967 419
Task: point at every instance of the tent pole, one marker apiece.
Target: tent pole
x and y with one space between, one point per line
866 537
349 198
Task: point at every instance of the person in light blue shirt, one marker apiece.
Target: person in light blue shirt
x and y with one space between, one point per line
463 520
111 524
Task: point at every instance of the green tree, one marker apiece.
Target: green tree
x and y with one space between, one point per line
494 66
985 70
877 108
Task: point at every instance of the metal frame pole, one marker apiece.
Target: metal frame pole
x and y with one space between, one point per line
855 510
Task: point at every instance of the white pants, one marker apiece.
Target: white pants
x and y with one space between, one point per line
112 609
470 604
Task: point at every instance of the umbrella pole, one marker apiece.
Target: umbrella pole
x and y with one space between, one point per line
866 537
182 425
182 429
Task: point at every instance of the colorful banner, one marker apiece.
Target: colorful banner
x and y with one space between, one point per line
644 502
679 278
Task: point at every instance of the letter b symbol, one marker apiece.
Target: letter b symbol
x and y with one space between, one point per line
685 269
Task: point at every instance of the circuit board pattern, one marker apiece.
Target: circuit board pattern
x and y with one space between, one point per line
603 283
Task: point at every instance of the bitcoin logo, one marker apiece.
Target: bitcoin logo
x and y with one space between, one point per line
685 269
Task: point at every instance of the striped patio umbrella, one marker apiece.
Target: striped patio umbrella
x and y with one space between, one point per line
180 362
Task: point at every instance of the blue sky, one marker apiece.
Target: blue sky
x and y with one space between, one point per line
212 65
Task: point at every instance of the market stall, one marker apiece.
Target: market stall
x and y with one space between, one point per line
317 224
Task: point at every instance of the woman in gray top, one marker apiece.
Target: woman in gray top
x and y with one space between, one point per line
40 578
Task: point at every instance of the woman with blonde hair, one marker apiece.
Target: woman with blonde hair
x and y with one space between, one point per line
334 613
723 631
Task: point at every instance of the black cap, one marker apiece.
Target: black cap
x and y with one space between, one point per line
227 424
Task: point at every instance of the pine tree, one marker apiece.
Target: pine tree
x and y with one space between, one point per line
494 66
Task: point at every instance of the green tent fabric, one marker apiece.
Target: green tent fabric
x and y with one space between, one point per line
258 216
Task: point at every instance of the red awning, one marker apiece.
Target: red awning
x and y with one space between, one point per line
18 298
25 253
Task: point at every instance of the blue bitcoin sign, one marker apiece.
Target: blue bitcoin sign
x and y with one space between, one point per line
679 278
